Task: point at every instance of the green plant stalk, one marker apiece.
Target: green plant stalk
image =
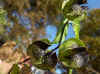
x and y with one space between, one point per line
70 71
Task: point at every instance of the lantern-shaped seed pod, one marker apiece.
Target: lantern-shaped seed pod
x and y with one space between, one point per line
72 9
36 51
72 53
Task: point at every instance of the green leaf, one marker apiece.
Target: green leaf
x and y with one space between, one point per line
45 40
76 24
3 19
58 35
15 69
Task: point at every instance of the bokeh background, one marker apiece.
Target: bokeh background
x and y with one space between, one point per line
24 21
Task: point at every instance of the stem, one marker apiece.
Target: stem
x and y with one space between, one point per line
49 53
70 71
25 60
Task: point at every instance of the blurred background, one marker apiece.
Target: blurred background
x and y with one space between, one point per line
24 21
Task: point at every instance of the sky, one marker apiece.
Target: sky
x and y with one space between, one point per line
94 3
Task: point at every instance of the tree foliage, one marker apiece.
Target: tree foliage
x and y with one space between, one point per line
89 33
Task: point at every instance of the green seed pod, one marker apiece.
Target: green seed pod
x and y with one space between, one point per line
72 9
36 51
72 53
